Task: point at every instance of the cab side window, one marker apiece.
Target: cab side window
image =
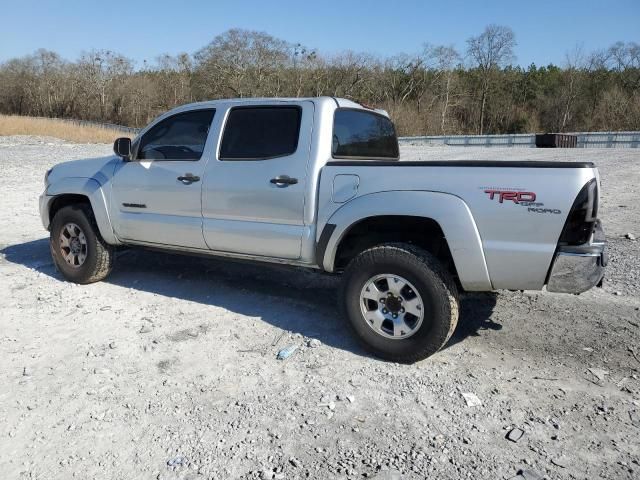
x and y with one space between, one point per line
179 137
261 132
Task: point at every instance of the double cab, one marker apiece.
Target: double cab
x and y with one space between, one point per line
319 183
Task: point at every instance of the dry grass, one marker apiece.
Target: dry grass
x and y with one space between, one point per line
51 127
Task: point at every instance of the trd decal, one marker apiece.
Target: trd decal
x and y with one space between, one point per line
544 210
518 197
515 197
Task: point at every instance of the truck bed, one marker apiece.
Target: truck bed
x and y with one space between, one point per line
516 236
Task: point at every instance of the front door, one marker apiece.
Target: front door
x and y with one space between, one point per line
254 190
156 196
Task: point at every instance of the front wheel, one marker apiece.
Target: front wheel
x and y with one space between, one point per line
78 250
400 302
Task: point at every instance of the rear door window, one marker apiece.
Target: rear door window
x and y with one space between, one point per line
361 134
178 137
261 133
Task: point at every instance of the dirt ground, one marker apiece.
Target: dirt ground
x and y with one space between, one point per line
168 368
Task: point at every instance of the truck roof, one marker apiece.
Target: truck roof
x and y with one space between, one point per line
339 102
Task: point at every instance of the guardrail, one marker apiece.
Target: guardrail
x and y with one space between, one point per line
585 140
608 139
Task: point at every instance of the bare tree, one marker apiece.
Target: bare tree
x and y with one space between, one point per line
304 61
625 58
48 66
15 77
575 62
490 50
101 70
401 77
445 59
346 75
243 62
174 78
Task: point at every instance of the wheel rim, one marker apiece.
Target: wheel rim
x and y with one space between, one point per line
391 306
73 245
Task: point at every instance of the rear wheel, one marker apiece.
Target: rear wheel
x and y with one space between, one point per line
400 302
79 252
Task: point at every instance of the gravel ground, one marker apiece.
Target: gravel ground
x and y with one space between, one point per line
168 368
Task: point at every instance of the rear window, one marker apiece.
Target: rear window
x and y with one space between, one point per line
362 134
260 133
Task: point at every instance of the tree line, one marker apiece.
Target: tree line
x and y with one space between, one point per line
438 90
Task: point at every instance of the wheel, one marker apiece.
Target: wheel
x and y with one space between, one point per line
400 302
79 252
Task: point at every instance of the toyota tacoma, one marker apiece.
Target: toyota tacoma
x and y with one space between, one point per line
319 183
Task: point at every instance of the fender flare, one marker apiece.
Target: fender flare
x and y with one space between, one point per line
449 211
94 191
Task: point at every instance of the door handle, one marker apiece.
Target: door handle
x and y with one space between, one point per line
283 181
188 178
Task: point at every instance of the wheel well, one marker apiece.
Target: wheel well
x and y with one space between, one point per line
65 200
369 232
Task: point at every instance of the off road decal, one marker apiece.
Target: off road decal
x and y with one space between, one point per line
544 210
518 197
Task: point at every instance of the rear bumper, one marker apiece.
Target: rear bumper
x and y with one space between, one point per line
576 269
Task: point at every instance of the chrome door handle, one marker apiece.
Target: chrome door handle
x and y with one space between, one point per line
283 181
188 178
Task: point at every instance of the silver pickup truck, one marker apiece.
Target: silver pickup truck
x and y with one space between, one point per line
319 183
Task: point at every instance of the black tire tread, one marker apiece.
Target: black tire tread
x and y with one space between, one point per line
105 253
429 266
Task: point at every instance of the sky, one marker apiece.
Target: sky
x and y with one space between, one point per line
141 29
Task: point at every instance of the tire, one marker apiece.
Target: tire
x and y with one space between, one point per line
94 257
429 292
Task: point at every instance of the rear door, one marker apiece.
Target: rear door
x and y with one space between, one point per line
254 191
156 197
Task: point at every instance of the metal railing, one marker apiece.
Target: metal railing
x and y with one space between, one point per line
608 139
518 140
585 140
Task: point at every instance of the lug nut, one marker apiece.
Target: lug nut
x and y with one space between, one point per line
395 315
384 310
382 300
402 310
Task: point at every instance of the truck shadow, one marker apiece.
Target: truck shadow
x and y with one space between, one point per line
293 299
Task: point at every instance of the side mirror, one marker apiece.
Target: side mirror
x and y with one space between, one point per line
122 147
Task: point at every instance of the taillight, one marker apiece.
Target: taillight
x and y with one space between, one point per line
583 216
